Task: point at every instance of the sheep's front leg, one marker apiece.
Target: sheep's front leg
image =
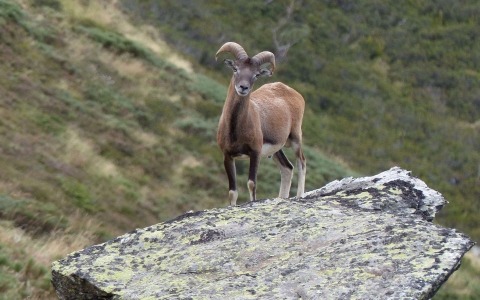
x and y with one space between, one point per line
229 164
252 174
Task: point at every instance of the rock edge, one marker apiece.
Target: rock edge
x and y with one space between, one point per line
363 238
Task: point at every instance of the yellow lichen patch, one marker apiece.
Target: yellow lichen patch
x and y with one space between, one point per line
363 195
380 187
425 263
395 191
274 245
367 256
401 255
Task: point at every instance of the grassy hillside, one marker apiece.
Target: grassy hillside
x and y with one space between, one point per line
103 129
386 82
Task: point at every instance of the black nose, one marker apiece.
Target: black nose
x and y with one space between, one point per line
244 88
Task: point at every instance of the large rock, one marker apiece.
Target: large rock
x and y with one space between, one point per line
365 238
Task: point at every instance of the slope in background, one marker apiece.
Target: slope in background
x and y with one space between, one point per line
103 129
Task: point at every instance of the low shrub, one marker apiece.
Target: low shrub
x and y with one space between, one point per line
209 88
32 215
55 4
120 44
78 192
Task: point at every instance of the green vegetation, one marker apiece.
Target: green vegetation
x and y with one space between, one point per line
387 82
462 285
121 44
100 135
103 129
19 264
32 215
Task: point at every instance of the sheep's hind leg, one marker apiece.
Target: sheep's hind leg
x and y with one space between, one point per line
286 171
302 168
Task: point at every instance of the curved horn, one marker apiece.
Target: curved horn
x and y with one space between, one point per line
233 48
265 57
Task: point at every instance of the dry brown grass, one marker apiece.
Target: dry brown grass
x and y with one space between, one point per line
13 190
79 151
146 138
381 66
48 248
45 249
107 14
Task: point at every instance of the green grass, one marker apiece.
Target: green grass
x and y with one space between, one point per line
35 216
99 135
21 274
120 45
386 83
209 89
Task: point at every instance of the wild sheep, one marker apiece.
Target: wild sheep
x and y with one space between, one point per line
260 123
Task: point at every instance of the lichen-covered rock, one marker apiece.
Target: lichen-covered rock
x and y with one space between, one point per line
365 238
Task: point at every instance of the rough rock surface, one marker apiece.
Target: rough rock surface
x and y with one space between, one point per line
365 238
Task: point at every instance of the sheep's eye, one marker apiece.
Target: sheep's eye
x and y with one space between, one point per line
235 70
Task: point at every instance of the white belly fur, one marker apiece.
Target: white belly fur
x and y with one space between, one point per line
267 150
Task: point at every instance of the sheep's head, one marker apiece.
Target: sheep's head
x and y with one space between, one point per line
246 70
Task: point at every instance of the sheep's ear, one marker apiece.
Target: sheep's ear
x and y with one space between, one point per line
265 72
230 63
